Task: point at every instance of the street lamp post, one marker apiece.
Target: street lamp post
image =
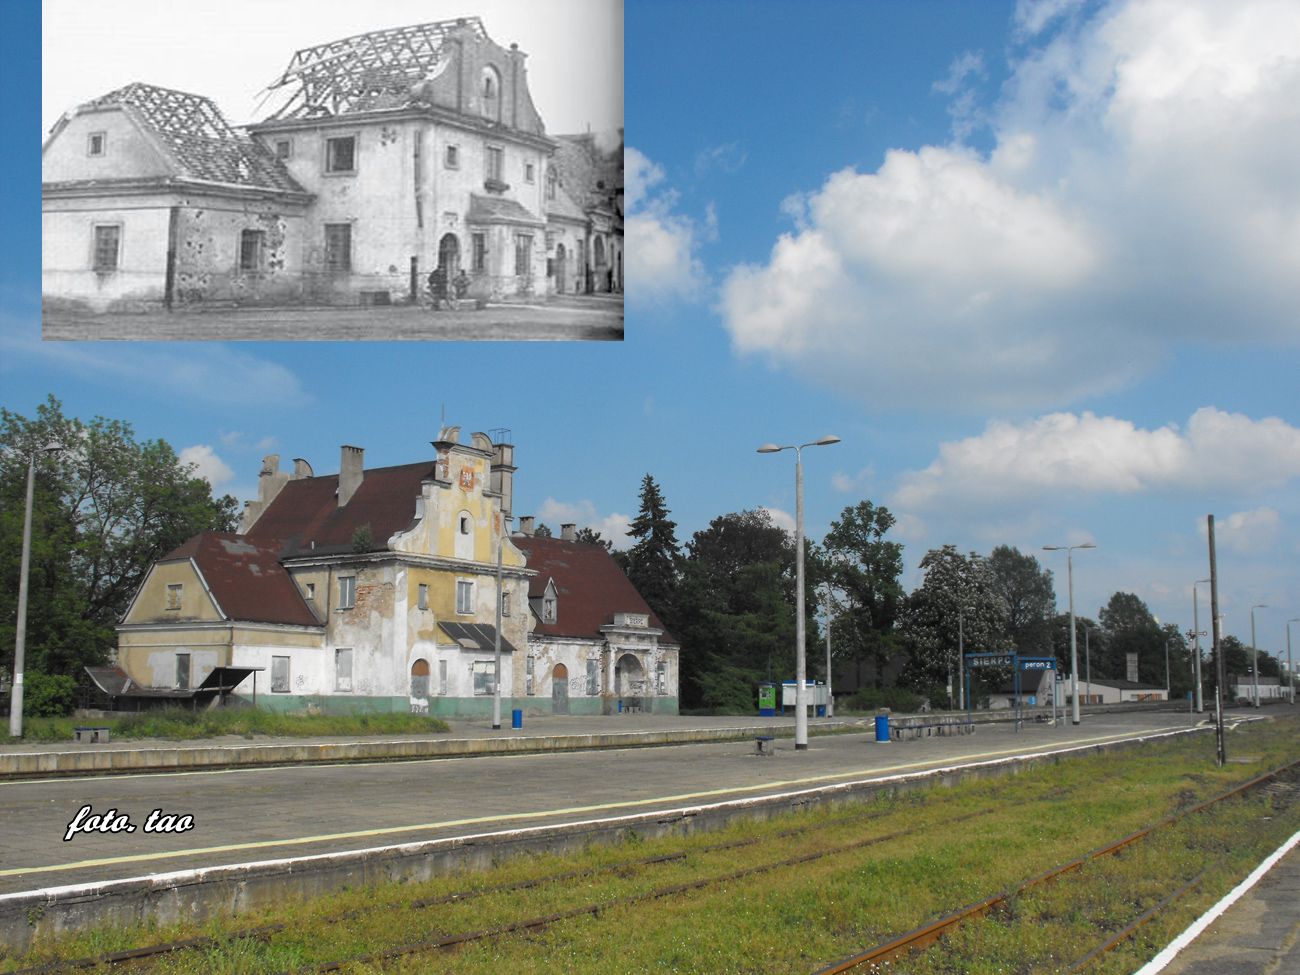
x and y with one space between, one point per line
800 663
830 700
961 659
20 624
496 678
1196 638
1087 662
1254 654
1074 641
1290 665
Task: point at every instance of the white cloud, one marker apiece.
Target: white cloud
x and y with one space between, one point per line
1086 454
1140 192
207 465
583 514
781 519
661 244
1247 532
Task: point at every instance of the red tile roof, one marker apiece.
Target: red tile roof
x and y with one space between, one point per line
246 579
305 517
589 583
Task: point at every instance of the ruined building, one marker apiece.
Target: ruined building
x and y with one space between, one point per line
377 590
390 153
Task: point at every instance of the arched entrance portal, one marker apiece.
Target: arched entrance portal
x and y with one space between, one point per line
560 689
629 676
449 255
420 679
560 258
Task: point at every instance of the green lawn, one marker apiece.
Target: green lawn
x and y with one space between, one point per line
174 723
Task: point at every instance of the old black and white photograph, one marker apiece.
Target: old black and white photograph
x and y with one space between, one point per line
322 170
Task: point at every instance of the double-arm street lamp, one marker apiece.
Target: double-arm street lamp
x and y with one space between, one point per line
1254 654
800 665
1074 642
20 624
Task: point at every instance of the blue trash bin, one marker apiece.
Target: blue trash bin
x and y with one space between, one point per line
882 728
516 718
620 707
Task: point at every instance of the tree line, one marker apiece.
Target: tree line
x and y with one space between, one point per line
727 596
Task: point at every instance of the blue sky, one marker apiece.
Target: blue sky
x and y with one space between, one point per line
1035 263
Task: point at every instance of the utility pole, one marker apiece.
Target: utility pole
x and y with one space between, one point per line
1218 648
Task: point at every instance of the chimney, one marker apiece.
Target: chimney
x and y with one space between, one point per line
301 469
501 476
270 479
526 526
569 533
350 472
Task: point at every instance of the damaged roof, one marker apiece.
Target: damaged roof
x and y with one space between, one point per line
305 517
199 141
372 71
246 579
590 587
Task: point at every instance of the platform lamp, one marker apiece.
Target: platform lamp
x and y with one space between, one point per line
800 664
20 624
1074 639
1254 654
1290 664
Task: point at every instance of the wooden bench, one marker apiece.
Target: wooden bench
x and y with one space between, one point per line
764 743
90 734
928 729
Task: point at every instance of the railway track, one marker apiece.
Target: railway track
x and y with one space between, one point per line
918 939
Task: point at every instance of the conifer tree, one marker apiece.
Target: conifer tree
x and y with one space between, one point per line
653 561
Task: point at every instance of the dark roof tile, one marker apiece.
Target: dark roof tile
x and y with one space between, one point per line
246 579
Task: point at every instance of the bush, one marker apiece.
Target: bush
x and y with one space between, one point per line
871 699
48 695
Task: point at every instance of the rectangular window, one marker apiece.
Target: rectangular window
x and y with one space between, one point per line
452 157
107 240
529 173
338 247
548 609
661 679
283 149
496 163
505 602
422 601
483 674
343 669
442 677
523 253
479 243
341 154
593 678
174 596
96 143
279 675
311 590
464 597
347 592
251 249
528 676
182 670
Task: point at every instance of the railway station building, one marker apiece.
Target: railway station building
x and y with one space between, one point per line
386 155
376 590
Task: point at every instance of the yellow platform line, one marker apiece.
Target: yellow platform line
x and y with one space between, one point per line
567 811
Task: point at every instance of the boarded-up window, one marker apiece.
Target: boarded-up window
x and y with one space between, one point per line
422 600
464 597
338 247
252 244
420 678
174 596
343 669
484 671
523 253
505 602
107 240
182 670
279 675
528 675
347 592
442 677
479 242
661 679
593 678
341 154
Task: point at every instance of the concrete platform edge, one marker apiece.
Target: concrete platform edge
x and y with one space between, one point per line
238 888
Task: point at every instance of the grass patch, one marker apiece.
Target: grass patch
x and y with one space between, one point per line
178 724
898 862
